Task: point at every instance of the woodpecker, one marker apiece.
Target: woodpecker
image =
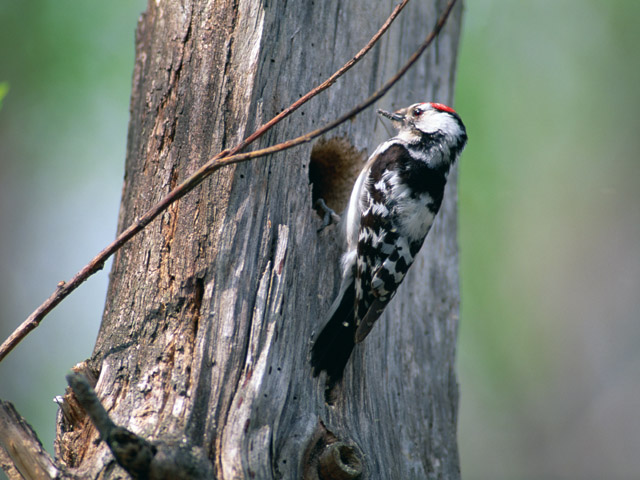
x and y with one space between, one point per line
392 206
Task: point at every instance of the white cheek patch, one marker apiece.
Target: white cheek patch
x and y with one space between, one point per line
435 121
408 136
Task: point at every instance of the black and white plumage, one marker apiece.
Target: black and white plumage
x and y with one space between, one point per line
392 207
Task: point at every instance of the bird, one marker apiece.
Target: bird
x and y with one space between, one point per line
392 207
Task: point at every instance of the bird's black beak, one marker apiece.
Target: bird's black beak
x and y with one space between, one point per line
398 116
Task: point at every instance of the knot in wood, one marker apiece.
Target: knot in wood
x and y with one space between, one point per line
339 462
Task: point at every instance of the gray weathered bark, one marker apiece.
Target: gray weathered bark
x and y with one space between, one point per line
210 310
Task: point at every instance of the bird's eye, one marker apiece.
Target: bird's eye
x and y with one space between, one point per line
417 111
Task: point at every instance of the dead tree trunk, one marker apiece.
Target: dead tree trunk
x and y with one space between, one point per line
211 309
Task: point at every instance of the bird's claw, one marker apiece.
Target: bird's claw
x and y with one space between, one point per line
329 215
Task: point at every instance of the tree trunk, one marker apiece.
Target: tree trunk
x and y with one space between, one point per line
211 310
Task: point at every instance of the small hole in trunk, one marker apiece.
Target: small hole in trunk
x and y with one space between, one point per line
333 169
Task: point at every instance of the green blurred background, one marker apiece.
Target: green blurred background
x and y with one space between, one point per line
548 356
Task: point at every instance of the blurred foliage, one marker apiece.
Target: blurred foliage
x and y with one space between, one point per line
63 131
549 219
549 239
4 89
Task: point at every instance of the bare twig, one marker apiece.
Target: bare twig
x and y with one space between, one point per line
217 163
324 85
226 157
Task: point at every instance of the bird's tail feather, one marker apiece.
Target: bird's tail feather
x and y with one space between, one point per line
334 344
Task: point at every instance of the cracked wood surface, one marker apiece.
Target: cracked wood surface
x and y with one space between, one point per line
210 310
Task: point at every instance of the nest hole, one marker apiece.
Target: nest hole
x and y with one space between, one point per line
333 169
